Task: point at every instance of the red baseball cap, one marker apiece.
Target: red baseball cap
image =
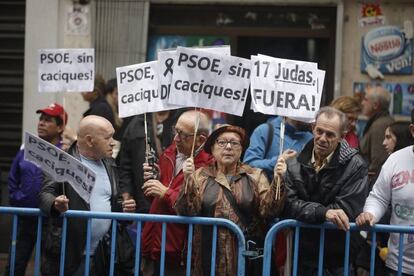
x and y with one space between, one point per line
55 110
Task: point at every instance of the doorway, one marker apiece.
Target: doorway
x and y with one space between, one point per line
297 48
293 32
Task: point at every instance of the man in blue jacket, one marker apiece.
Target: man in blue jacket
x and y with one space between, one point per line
25 181
263 150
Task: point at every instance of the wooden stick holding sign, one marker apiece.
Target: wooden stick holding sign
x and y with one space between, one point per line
150 154
197 122
64 125
147 147
281 143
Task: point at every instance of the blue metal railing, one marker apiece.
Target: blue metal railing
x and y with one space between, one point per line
296 225
191 221
16 212
139 219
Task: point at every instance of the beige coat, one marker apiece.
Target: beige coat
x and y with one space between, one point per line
258 200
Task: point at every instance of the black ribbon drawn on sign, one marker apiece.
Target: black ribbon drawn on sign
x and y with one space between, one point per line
168 63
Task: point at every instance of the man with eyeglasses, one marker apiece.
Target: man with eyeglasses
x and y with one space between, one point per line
164 191
25 181
133 152
326 182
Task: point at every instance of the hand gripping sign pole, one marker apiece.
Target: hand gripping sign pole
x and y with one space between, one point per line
281 143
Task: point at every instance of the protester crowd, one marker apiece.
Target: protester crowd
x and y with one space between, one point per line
323 173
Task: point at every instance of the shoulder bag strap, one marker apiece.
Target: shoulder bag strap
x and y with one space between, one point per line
245 220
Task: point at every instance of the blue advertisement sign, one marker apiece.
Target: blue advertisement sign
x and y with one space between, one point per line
402 95
388 50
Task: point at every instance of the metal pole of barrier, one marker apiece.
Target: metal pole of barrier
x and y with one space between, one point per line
373 248
189 249
267 253
13 245
88 246
240 258
346 258
296 251
137 248
400 253
321 249
63 247
213 251
113 247
163 238
38 245
16 212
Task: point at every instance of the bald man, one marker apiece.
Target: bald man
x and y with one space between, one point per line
93 148
375 106
164 191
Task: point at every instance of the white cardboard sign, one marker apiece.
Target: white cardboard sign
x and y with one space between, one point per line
166 60
286 87
66 70
60 165
207 80
138 89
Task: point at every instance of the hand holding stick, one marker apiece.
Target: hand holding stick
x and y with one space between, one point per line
188 169
280 169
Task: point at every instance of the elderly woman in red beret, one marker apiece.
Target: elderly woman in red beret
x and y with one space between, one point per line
232 190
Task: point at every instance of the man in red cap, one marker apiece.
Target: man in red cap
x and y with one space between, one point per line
25 181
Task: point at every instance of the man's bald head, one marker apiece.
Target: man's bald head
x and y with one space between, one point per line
204 125
95 137
185 129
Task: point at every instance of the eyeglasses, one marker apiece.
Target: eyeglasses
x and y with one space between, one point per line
183 135
224 143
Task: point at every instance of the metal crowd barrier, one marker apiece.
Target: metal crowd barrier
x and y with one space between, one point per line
138 218
191 221
296 225
16 212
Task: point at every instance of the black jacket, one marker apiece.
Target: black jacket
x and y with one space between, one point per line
131 157
101 107
342 184
76 227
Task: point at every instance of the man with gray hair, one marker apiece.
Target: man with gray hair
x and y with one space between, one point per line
327 181
375 106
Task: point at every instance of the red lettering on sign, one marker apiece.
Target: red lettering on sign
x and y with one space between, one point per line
386 45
